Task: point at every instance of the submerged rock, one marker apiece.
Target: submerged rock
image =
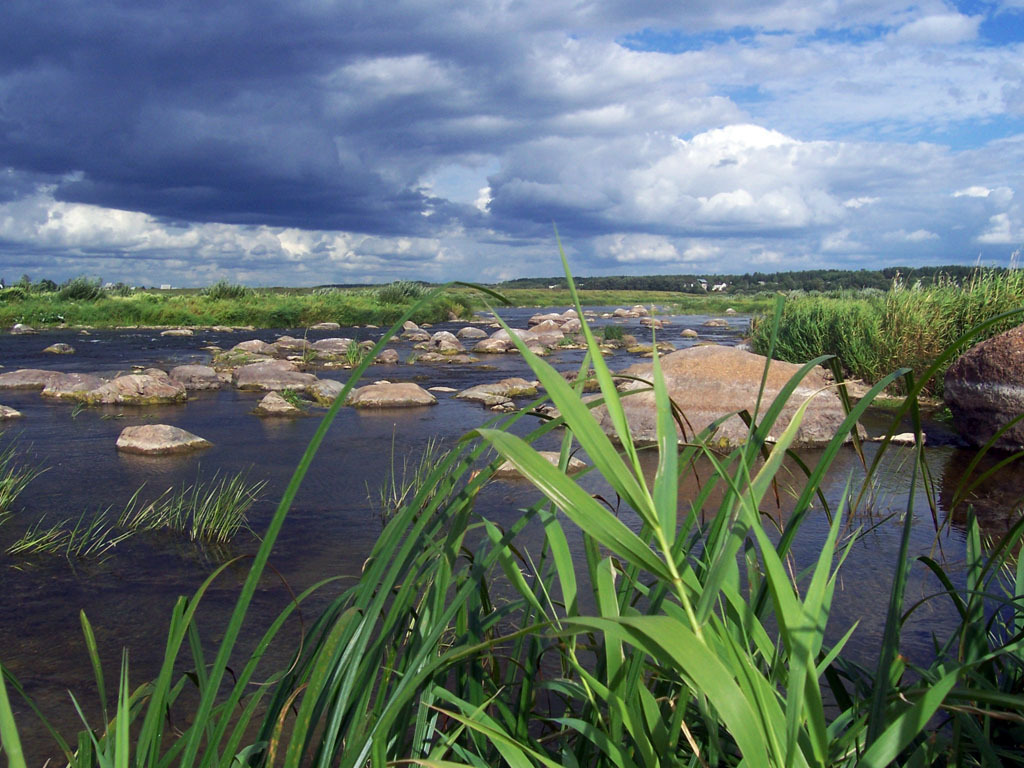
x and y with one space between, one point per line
6 412
159 439
984 389
60 348
508 472
391 395
709 382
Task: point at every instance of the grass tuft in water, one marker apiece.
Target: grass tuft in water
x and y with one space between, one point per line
14 477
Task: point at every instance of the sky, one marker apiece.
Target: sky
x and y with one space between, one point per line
305 142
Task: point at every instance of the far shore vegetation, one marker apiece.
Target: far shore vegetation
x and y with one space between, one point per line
88 301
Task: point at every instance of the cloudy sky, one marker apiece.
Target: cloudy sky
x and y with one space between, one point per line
314 141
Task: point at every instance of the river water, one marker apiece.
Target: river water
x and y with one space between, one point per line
334 520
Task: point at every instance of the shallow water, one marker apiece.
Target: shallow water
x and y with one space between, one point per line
333 522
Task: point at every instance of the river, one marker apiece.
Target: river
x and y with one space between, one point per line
334 520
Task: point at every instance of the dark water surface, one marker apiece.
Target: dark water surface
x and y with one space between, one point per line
333 522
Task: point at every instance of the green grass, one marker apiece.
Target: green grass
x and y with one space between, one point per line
225 304
15 475
671 632
910 325
208 512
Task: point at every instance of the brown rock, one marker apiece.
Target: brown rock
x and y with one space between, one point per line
391 395
254 346
325 326
708 382
158 439
325 390
984 389
469 332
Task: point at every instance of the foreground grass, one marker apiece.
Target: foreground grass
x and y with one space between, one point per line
676 632
910 325
264 308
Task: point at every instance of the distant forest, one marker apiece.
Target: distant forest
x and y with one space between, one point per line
756 282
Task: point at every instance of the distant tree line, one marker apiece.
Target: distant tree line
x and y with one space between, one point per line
756 282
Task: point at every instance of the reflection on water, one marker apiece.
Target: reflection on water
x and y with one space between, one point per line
333 522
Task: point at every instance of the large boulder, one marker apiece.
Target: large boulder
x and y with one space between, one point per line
332 347
272 374
137 389
159 439
387 394
984 389
194 377
709 382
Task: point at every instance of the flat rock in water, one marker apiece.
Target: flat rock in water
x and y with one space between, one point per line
391 395
138 389
20 328
178 332
60 348
984 389
325 326
469 332
509 472
6 412
194 377
27 378
159 439
275 405
254 347
72 386
709 382
273 374
332 346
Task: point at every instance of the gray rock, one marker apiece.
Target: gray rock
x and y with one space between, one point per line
273 374
27 378
470 332
332 347
72 386
196 377
159 439
499 392
136 389
325 390
255 347
325 326
274 405
21 328
177 332
386 357
689 333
